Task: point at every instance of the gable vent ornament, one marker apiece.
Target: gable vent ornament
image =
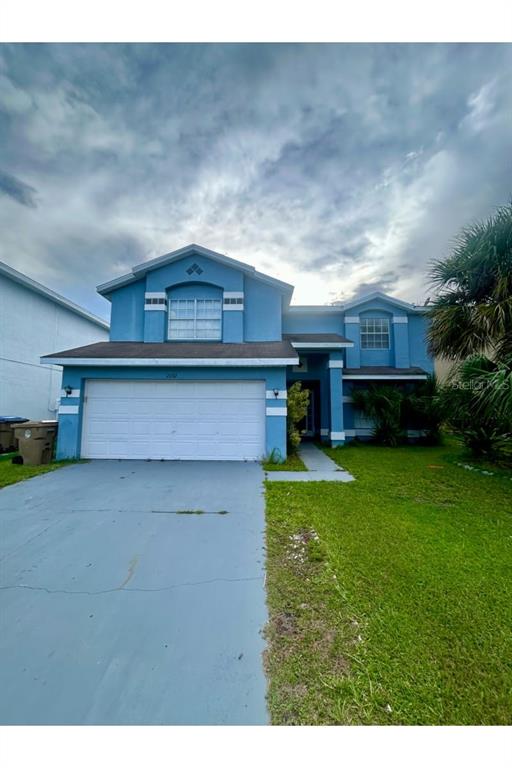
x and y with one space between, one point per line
194 268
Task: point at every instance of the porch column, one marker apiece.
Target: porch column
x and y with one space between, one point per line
335 365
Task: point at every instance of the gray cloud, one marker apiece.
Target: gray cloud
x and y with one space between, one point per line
17 190
334 167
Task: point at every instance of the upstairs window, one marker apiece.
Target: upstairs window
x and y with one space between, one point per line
374 333
195 319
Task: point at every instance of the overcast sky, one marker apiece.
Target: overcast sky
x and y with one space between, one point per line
338 168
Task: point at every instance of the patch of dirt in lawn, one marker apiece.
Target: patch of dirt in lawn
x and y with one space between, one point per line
300 634
285 624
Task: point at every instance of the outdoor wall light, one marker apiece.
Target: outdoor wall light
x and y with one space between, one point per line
276 393
68 390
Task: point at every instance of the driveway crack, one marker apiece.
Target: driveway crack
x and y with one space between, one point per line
128 589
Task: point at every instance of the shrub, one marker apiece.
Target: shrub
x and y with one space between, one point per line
298 401
477 404
425 409
383 405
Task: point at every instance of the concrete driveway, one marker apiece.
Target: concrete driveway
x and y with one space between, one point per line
133 593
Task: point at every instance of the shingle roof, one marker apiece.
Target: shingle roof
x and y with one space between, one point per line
179 350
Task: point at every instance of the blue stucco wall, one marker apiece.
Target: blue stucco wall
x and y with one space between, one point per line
70 426
213 272
259 320
262 315
307 322
418 353
127 313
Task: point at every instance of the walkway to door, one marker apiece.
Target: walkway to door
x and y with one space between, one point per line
320 467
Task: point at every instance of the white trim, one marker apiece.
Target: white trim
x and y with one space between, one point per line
387 377
337 435
233 295
352 319
321 344
232 307
399 319
324 432
69 409
155 295
186 362
276 411
350 433
316 308
347 398
282 394
27 282
74 393
335 364
155 307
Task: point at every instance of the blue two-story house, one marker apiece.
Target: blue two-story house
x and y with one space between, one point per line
202 349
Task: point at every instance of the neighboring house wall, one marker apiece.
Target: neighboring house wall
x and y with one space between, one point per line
32 325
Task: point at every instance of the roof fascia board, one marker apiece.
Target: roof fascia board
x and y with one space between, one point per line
330 308
158 362
321 344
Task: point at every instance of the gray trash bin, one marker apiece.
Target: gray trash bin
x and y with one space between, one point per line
36 441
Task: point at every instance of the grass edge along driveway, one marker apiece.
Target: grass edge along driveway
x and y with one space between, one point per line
390 598
15 473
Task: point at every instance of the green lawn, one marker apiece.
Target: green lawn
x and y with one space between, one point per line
13 473
390 597
293 463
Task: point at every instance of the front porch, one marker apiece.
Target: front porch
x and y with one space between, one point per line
320 370
331 417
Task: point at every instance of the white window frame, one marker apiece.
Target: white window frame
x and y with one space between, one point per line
195 336
379 329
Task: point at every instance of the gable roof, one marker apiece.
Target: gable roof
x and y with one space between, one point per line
33 285
384 296
161 261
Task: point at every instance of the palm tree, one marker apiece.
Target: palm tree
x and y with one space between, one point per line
472 313
382 405
471 323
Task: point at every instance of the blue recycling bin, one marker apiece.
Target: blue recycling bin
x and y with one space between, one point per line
8 441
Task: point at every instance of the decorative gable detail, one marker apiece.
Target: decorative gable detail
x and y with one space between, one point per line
194 268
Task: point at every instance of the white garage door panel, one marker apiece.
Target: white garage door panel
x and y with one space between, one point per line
174 420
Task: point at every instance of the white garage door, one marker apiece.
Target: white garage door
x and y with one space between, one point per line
222 420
